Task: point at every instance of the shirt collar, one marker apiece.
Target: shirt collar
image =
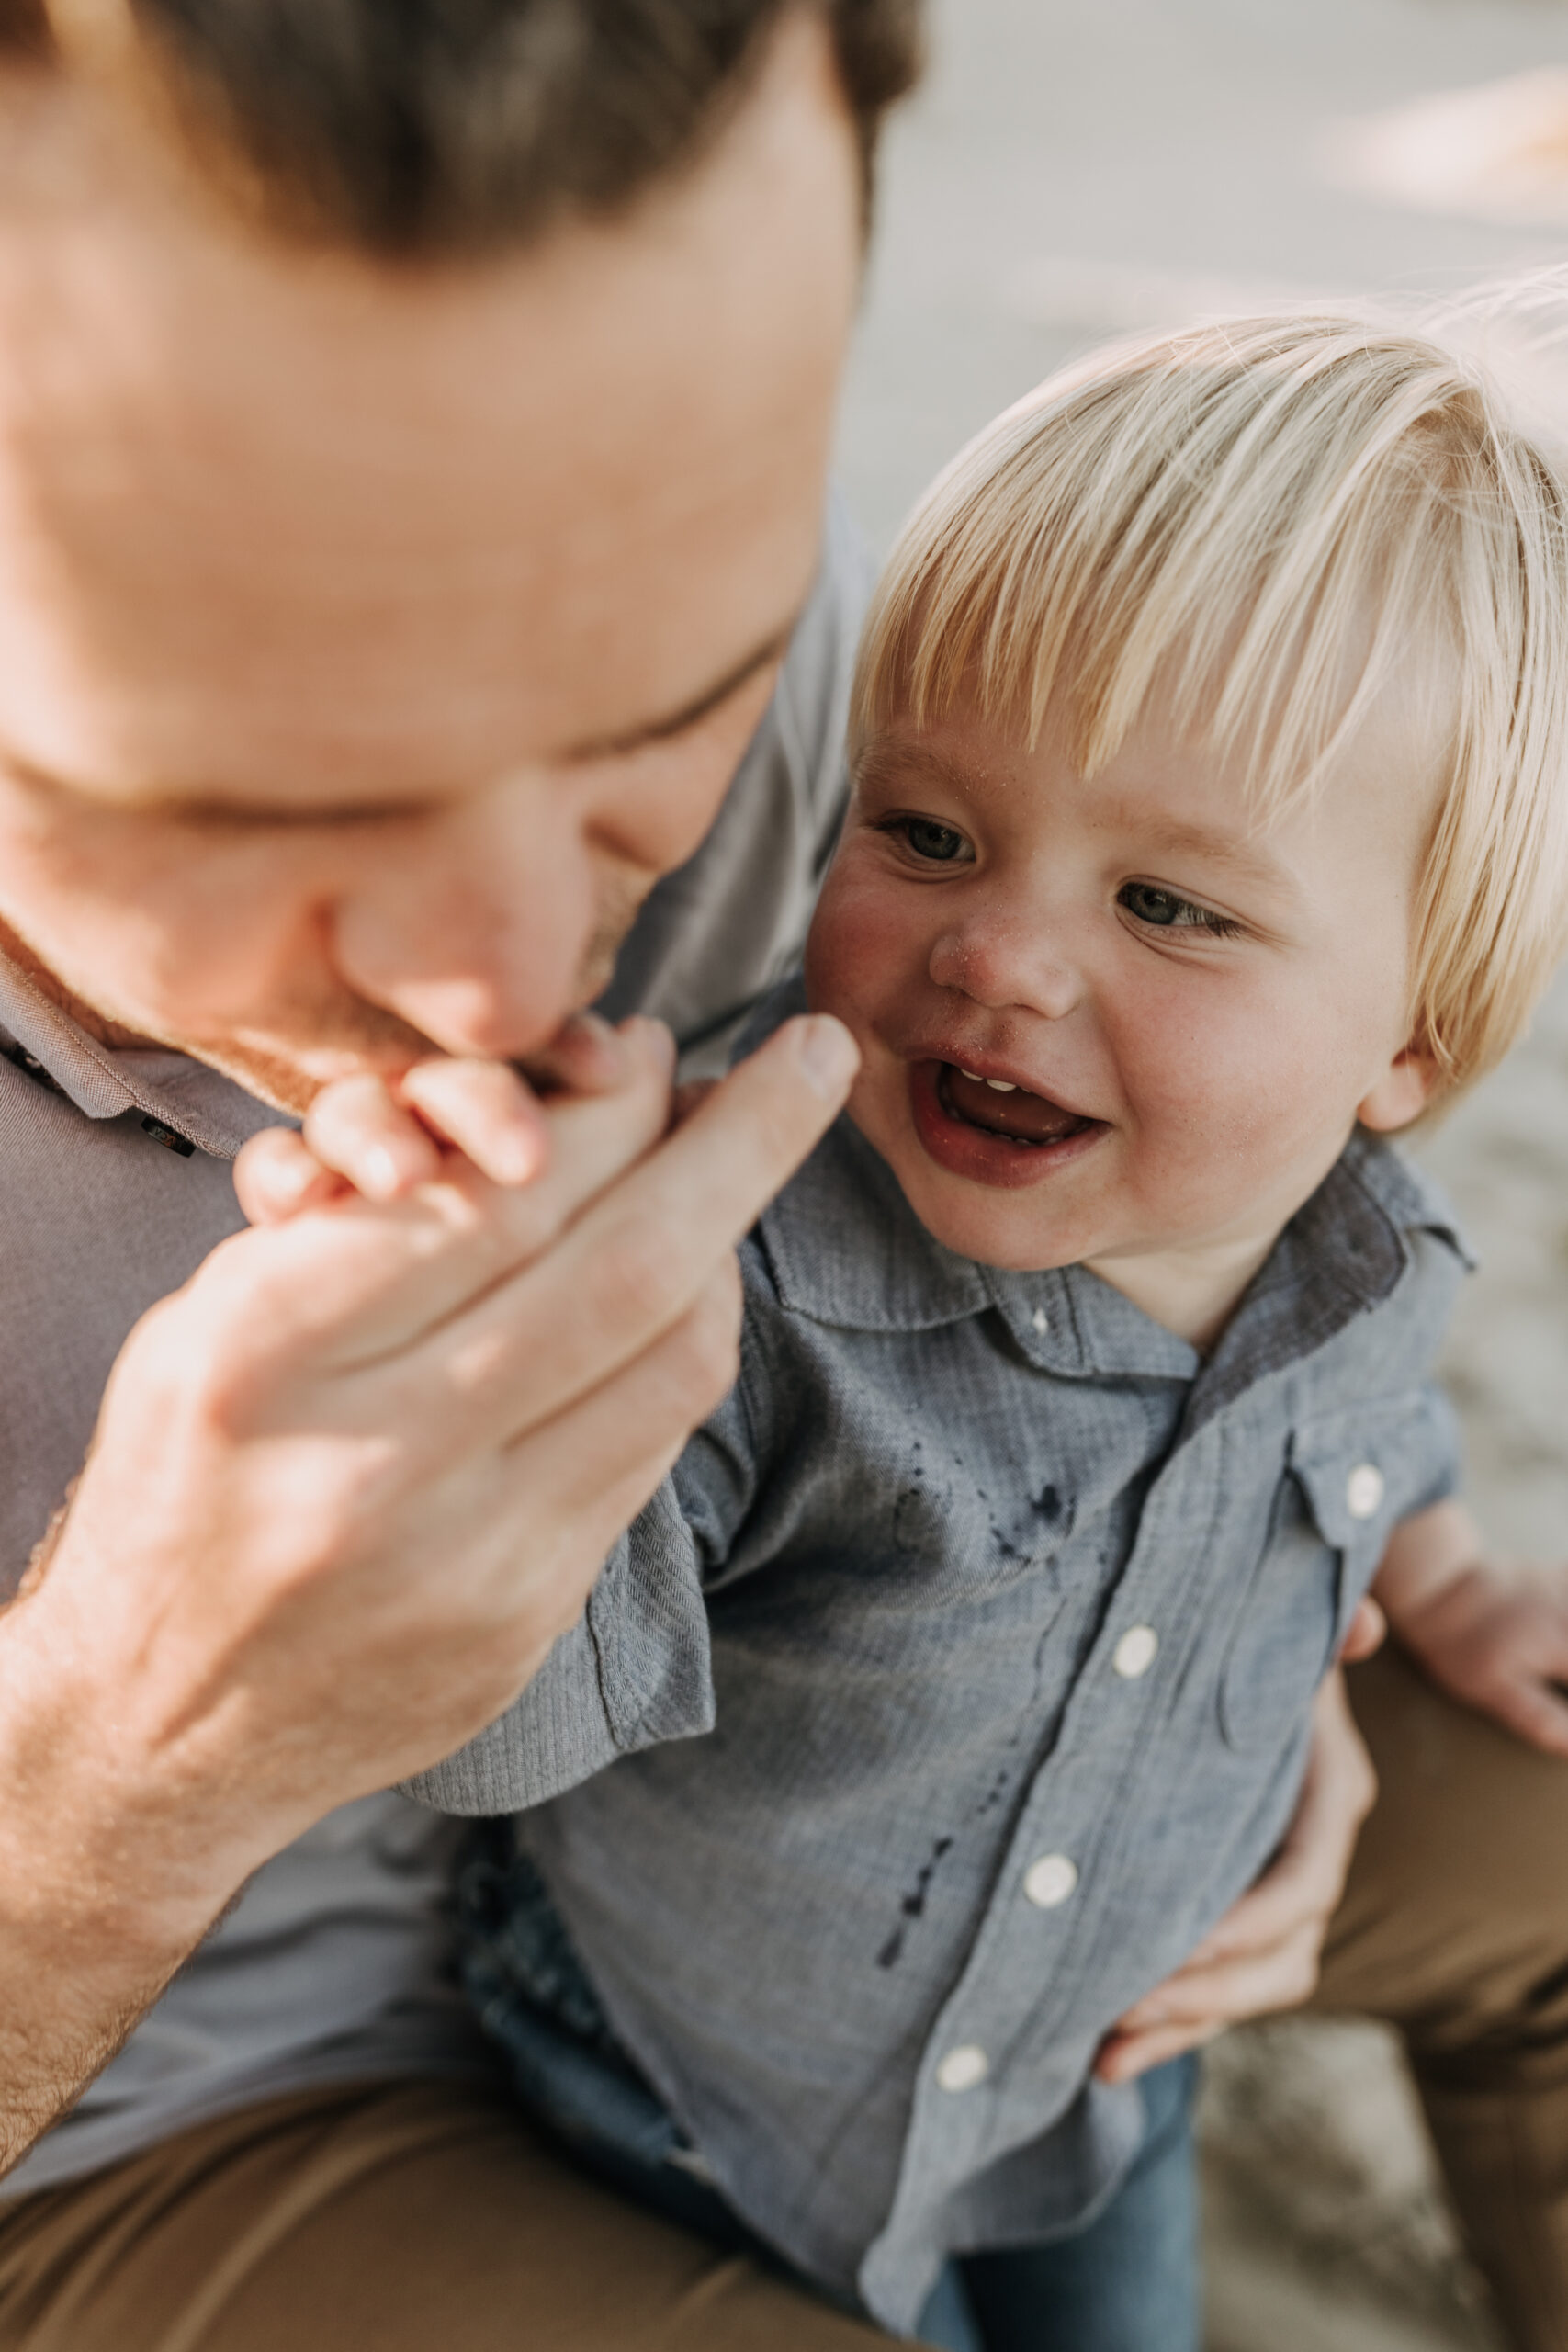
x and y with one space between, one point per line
1343 1253
196 1103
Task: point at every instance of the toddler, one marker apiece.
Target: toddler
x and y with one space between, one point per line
1208 827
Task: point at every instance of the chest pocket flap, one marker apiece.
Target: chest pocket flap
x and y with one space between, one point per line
1348 1476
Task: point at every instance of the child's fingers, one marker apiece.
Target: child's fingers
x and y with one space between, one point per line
1273 1977
1366 1633
1123 2057
1255 1984
586 1055
1284 1899
387 1142
278 1174
483 1110
1536 1711
1301 1887
488 1112
355 1129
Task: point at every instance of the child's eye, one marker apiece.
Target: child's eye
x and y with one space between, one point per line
1162 911
937 844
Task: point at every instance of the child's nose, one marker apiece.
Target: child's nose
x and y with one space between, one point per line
1004 964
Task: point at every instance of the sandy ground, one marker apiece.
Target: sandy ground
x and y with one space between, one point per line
1073 169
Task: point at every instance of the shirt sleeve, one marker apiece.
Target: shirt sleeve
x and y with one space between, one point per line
1438 1465
637 1666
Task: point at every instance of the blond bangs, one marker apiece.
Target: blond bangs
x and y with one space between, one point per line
1271 523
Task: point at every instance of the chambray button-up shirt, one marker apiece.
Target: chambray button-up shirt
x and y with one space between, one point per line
951 1688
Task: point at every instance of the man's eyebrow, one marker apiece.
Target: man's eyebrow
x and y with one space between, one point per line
689 714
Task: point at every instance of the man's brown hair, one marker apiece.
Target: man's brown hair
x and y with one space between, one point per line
424 126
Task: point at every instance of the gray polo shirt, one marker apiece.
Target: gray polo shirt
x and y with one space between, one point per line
953 1687
334 1965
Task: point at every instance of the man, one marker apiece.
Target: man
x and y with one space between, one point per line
411 433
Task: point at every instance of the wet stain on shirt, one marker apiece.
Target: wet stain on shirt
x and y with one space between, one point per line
913 1906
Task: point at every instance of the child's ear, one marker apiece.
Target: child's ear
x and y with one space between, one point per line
1401 1093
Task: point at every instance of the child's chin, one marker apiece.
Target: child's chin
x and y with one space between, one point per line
995 1230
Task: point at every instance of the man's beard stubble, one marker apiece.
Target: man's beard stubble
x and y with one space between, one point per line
355 1034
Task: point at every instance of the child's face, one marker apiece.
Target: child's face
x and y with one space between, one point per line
1117 1023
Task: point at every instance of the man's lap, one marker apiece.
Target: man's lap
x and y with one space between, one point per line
1454 1928
1456 1909
402 2215
415 2214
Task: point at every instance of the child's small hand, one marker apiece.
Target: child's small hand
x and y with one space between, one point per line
1496 1635
1492 1632
1263 1956
381 1141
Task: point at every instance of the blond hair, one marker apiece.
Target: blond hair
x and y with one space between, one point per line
1272 521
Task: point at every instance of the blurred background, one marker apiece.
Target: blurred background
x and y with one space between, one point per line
1074 169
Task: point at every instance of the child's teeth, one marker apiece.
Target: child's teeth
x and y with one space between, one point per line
972 1074
1002 1085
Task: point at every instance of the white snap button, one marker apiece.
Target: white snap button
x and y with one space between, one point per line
1040 1319
1050 1881
1363 1490
1136 1652
964 2067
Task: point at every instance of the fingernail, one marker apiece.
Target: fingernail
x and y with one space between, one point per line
827 1056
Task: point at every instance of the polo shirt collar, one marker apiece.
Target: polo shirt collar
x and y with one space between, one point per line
184 1095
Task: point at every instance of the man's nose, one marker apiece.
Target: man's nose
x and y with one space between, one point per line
1008 962
485 936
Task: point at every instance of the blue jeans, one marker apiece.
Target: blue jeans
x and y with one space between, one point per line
1126 2283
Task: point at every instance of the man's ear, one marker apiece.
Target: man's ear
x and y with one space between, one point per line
1401 1093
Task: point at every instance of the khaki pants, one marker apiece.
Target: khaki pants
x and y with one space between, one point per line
1454 1928
421 2218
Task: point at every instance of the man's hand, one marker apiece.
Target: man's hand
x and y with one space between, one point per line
1263 1956
1494 1634
350 1483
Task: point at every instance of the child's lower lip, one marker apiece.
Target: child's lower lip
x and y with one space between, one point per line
965 1149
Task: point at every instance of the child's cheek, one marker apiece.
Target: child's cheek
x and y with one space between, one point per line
859 946
1226 1085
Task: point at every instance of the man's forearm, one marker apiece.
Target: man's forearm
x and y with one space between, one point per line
60 2025
84 1949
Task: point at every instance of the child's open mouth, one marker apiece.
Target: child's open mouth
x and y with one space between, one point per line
990 1130
1003 1109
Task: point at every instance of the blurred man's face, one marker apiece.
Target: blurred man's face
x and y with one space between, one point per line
371 641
